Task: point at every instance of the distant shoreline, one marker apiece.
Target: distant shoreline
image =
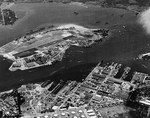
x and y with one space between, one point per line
29 10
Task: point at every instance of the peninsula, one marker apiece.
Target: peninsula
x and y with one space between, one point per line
48 45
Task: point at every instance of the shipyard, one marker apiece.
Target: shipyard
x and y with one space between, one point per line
99 95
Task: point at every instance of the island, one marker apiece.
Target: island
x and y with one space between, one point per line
48 45
7 17
101 94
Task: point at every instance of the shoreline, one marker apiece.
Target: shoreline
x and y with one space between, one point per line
29 10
